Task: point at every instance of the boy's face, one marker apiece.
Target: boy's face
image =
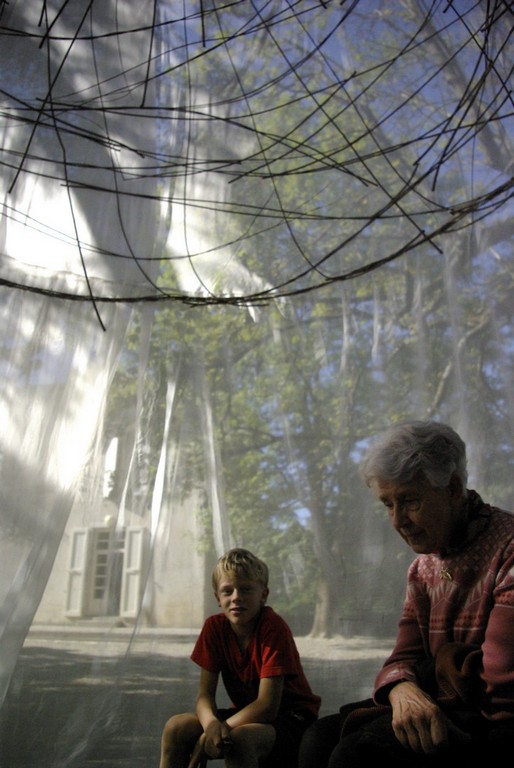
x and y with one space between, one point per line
241 600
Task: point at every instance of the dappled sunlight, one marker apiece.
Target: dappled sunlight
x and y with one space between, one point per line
237 240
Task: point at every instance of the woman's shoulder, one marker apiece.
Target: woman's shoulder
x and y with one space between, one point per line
500 530
502 517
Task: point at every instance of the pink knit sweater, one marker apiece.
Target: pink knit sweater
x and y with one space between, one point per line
466 596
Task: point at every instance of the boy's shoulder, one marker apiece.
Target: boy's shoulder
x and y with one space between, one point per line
270 618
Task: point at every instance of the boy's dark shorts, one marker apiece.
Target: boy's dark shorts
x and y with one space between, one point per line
289 727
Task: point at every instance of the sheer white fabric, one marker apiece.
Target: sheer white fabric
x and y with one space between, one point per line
236 241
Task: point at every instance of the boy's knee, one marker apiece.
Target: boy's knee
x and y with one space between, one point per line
252 739
171 725
240 738
179 726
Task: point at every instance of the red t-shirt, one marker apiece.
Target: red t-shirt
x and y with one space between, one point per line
272 652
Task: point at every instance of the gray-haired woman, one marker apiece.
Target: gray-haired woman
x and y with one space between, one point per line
446 692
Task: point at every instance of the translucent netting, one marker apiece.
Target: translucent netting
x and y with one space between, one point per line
237 239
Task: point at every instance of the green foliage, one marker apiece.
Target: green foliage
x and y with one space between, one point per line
295 393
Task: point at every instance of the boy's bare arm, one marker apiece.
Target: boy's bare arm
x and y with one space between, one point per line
216 732
206 708
265 707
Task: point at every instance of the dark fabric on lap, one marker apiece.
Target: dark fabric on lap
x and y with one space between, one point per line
289 728
362 731
318 741
357 714
451 679
376 741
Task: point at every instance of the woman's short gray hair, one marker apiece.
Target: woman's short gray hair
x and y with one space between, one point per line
411 448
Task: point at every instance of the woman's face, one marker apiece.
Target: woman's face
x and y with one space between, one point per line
425 517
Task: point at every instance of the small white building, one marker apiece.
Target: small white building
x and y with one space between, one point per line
107 570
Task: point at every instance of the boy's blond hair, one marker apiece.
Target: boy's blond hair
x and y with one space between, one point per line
240 562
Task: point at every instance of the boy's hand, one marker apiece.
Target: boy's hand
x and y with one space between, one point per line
217 739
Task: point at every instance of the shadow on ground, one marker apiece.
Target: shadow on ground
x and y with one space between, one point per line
67 709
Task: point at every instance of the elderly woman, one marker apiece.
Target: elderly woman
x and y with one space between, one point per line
446 692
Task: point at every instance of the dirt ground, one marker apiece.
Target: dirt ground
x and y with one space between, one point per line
82 703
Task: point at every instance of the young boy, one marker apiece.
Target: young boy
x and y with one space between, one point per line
253 649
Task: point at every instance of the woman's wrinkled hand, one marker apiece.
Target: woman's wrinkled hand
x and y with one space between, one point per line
419 723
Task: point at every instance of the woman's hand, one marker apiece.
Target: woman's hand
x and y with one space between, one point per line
419 723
